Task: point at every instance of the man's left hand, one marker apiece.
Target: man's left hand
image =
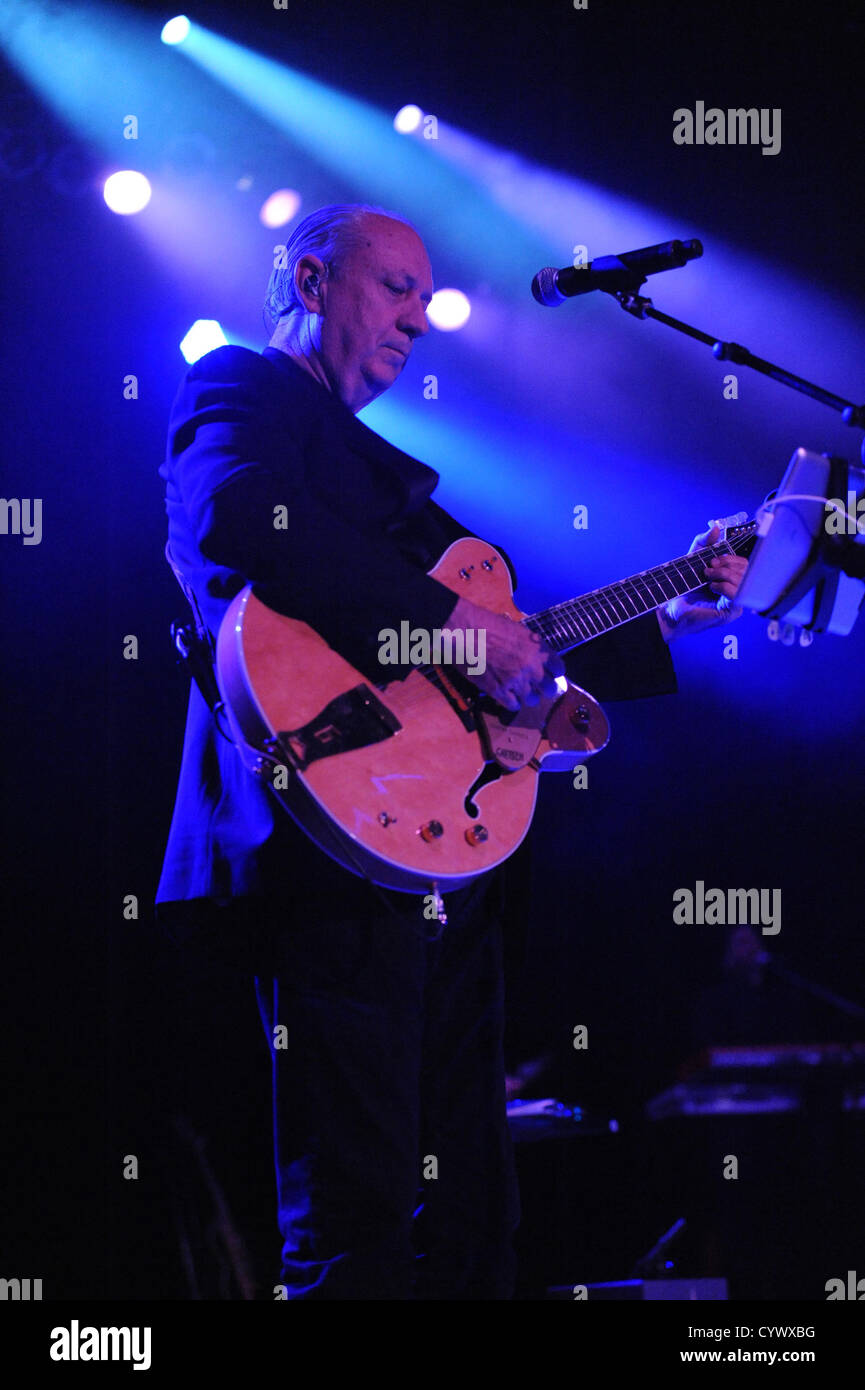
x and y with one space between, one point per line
701 609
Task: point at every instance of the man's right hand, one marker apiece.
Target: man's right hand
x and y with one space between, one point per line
520 667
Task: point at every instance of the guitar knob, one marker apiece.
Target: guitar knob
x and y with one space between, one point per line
431 831
477 834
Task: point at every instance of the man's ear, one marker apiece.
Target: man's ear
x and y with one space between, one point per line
309 276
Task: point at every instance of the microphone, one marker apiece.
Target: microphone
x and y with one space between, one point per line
551 287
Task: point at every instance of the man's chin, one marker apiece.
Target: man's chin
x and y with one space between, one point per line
377 380
395 362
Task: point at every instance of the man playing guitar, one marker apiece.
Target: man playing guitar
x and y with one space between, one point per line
394 1166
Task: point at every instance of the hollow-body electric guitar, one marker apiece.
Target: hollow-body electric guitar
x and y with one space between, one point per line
422 784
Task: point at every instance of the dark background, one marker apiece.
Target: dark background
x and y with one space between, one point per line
106 1035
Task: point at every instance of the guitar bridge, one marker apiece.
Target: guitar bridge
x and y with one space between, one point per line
460 694
355 719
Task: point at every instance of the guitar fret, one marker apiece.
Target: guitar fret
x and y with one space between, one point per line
564 638
593 617
596 612
612 598
655 590
539 624
630 597
557 634
629 601
586 617
692 580
577 628
636 598
646 591
581 621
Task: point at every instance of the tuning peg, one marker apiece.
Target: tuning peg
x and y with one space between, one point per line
725 522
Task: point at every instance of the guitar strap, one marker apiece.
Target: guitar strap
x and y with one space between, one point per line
195 649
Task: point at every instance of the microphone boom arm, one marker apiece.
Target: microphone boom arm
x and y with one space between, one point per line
641 307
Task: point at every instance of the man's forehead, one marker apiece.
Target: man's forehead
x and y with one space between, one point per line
393 243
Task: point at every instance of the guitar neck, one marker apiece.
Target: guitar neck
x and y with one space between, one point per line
569 624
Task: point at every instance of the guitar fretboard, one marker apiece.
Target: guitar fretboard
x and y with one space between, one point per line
580 619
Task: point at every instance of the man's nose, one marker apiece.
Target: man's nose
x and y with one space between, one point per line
413 320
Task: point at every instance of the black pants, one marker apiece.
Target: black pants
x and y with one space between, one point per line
395 1172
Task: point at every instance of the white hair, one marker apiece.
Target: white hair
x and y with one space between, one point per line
330 232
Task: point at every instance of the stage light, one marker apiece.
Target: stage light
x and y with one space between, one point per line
407 119
280 207
448 309
176 30
203 336
126 192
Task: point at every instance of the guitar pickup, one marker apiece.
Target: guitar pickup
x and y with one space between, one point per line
355 719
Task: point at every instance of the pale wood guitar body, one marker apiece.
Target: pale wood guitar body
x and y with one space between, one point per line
425 803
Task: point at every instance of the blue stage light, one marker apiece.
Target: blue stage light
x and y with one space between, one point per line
203 336
176 30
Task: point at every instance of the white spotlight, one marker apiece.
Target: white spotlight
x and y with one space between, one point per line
280 207
126 191
203 336
407 119
175 30
448 309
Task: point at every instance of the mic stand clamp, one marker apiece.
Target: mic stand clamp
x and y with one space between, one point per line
633 303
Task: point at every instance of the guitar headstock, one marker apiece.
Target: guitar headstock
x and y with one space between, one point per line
739 532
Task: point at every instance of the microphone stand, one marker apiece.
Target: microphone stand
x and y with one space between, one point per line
654 1264
826 996
641 307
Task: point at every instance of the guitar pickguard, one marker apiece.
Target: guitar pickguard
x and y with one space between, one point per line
514 742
